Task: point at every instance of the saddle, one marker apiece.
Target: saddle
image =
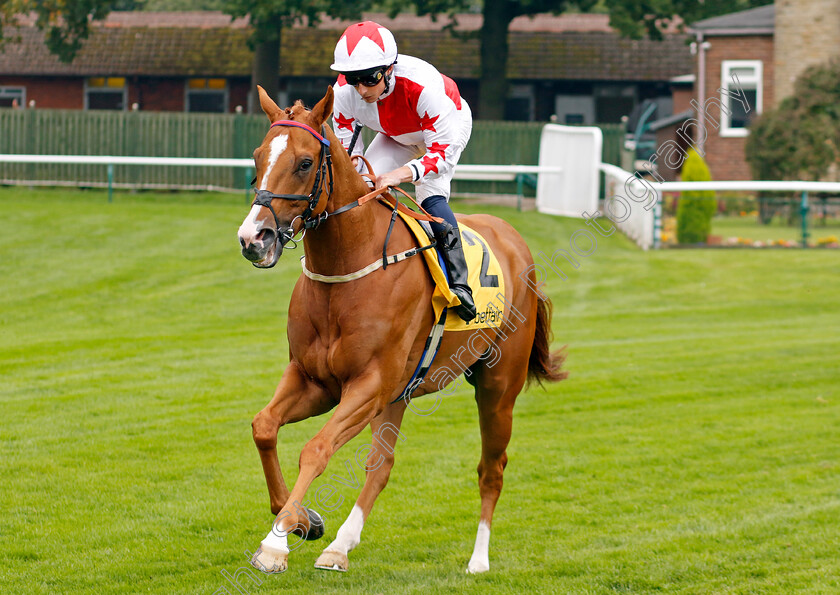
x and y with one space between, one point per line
485 277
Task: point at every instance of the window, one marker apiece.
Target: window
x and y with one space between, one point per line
309 91
207 96
520 103
741 95
106 93
12 97
612 101
574 109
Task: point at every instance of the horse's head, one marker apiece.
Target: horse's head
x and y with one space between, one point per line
293 174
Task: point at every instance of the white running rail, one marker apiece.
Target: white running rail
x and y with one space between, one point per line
635 206
462 171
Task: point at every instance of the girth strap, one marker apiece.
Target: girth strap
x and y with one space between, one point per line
364 271
430 350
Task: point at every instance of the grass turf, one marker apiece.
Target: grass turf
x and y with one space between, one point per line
778 229
692 450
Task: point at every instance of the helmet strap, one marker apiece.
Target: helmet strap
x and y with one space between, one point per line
388 79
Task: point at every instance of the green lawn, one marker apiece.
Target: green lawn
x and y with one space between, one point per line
693 449
748 227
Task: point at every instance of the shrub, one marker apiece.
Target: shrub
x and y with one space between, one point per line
800 138
736 203
696 207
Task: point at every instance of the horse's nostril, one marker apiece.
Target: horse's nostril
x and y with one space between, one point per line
266 236
241 241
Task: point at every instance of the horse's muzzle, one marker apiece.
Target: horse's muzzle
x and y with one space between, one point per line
264 250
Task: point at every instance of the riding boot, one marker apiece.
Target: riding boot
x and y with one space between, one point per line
449 241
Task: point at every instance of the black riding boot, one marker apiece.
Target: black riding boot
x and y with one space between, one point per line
449 241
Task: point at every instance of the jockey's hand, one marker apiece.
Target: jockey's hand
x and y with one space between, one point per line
357 162
394 178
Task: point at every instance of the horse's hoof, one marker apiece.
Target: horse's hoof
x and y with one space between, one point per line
316 527
332 561
270 561
475 567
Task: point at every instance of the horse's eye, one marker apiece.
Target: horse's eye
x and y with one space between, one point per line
305 165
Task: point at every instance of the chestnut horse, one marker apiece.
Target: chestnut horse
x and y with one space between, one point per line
354 345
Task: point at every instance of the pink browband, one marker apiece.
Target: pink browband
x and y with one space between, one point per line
309 129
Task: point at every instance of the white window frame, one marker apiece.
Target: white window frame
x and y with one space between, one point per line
13 92
190 90
726 68
106 89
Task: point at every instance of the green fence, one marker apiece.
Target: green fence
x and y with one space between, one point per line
66 132
162 134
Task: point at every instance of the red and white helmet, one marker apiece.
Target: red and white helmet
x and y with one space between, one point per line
364 46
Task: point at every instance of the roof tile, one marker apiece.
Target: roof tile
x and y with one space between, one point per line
212 45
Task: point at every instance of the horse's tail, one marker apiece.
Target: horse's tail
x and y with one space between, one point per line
544 365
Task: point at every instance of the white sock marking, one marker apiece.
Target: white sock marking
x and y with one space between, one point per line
277 539
480 561
349 534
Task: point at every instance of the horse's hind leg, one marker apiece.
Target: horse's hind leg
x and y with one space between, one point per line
496 390
385 429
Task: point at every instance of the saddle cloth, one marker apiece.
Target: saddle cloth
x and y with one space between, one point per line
485 279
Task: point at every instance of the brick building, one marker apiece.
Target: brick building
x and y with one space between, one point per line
734 83
745 63
806 34
572 66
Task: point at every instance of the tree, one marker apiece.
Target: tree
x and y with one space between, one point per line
170 5
652 17
800 137
268 18
630 17
493 40
66 23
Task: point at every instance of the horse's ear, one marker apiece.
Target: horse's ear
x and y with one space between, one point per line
323 109
269 107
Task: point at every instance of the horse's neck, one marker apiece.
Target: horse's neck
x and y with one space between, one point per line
352 239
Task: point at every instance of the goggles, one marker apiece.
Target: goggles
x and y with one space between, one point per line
370 78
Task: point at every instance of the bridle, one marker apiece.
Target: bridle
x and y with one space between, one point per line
325 170
264 197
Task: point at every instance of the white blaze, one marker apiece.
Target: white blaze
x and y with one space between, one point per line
252 226
278 145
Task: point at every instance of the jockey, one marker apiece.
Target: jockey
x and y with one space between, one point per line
423 125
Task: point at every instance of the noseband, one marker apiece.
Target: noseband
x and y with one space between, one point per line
264 197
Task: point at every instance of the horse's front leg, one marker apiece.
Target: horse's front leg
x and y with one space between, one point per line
296 398
385 429
361 400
